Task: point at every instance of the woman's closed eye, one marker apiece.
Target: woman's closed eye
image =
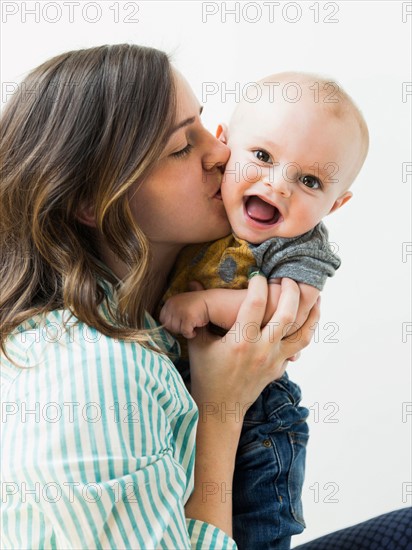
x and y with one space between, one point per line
263 156
311 182
182 152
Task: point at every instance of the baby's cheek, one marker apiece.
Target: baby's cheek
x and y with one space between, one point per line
230 189
305 218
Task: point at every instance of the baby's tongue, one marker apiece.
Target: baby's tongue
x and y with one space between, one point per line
260 210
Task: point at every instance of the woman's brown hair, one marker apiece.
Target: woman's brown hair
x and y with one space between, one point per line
82 129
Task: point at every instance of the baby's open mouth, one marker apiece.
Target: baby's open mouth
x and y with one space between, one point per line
261 211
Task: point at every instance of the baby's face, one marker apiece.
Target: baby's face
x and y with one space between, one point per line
291 164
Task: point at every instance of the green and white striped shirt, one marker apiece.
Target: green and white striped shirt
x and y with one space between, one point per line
98 443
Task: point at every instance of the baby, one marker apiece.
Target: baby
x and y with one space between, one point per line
291 164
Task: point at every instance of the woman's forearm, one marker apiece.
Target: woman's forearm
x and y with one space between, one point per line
227 376
217 439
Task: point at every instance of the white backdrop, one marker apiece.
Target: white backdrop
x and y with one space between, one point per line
355 377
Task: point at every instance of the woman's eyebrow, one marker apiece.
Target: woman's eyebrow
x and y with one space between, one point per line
186 122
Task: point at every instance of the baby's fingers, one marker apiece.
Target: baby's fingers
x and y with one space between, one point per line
166 320
163 315
188 333
189 325
195 285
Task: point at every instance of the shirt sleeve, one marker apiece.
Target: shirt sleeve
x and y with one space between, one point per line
203 535
307 258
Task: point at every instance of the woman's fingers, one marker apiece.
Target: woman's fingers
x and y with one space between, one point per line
294 343
285 314
308 297
253 308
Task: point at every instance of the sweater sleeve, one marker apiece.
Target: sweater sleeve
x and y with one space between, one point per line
307 258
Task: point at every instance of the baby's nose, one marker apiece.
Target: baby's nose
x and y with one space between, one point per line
279 184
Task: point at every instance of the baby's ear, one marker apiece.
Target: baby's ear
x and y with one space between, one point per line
221 133
341 201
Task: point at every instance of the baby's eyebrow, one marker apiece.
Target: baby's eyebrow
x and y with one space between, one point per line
266 143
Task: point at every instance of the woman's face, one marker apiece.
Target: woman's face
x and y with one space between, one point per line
180 201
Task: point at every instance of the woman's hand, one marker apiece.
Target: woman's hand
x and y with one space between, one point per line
234 370
308 298
227 376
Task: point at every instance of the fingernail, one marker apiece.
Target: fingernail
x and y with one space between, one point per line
254 271
318 301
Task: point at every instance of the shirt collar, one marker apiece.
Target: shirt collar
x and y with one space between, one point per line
165 341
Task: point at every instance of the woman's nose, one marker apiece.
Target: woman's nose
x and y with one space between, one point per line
217 153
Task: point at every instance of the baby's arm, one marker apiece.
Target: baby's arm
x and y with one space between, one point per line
182 313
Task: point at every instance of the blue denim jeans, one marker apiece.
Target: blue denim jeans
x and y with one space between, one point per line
391 531
270 469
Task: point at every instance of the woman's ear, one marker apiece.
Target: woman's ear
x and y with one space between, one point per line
341 201
221 133
85 215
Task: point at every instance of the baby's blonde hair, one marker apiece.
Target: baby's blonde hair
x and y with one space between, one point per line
325 91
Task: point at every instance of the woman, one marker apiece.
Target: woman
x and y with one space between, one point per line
107 173
99 166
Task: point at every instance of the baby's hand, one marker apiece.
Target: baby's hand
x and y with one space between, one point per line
182 313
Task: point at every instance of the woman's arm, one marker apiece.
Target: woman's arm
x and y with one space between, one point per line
227 375
217 438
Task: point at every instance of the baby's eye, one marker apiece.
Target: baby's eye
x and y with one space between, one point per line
261 155
311 182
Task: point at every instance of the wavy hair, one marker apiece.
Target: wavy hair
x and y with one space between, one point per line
83 127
